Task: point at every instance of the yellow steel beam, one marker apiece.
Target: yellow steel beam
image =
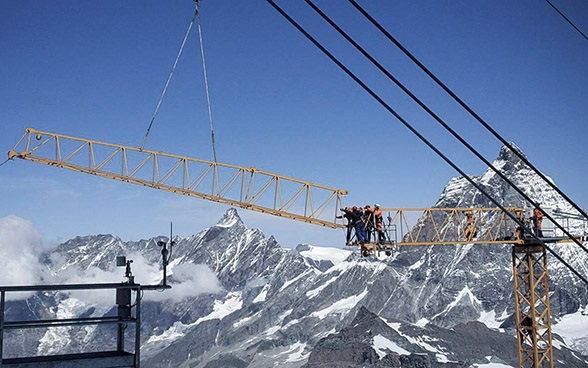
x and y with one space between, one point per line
449 226
244 187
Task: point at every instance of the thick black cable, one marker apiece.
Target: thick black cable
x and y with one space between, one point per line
567 20
466 107
436 117
415 132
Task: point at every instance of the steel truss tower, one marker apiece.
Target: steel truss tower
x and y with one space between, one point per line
531 292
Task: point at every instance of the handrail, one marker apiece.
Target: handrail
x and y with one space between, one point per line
121 320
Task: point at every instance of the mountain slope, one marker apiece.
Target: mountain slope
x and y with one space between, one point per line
240 300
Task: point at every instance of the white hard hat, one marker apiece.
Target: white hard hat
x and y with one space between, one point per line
376 205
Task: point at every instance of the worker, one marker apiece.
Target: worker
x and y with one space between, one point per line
379 220
537 218
368 217
520 231
358 220
350 223
470 230
527 327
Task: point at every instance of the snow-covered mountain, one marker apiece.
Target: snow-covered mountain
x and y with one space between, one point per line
240 300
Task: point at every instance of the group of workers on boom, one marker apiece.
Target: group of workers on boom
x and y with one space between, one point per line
365 222
536 217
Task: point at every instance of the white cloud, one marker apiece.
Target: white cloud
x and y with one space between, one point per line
20 246
188 280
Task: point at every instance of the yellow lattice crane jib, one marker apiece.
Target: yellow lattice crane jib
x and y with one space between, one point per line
244 187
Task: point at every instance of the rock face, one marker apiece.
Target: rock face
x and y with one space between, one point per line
240 300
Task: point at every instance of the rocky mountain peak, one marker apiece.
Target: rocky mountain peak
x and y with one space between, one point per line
230 219
459 192
508 161
506 154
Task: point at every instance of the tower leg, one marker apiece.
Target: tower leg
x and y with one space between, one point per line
531 292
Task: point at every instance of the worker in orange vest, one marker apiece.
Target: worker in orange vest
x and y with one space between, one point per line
537 218
379 223
470 230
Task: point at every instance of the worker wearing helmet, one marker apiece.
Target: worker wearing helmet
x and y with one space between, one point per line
350 224
526 327
359 225
369 221
537 218
470 230
379 222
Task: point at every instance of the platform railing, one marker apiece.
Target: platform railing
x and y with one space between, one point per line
129 312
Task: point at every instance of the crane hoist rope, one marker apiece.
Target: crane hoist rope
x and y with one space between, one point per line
205 80
196 18
171 74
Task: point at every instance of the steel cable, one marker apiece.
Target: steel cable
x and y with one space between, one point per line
169 78
416 133
465 106
567 20
437 118
205 80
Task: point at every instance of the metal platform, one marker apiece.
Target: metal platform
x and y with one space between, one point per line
104 359
109 357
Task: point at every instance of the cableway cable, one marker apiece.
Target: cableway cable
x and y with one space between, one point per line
416 133
567 20
169 78
435 116
465 106
205 79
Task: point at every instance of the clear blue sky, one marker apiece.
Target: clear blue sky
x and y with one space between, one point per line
95 69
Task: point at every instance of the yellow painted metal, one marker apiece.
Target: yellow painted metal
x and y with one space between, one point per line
244 187
531 291
449 226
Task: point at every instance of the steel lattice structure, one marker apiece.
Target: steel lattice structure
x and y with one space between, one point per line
244 187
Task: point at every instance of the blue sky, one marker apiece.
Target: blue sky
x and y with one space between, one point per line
96 70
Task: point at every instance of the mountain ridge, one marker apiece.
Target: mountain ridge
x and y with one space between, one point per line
266 305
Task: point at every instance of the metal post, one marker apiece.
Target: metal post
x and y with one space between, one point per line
138 329
531 291
2 298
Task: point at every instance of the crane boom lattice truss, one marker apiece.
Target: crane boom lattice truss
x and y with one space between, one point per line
244 187
449 226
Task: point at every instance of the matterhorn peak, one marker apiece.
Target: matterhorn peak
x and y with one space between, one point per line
230 219
506 154
509 161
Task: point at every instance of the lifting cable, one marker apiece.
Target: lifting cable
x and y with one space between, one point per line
169 79
436 117
205 79
467 108
567 20
416 133
197 18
